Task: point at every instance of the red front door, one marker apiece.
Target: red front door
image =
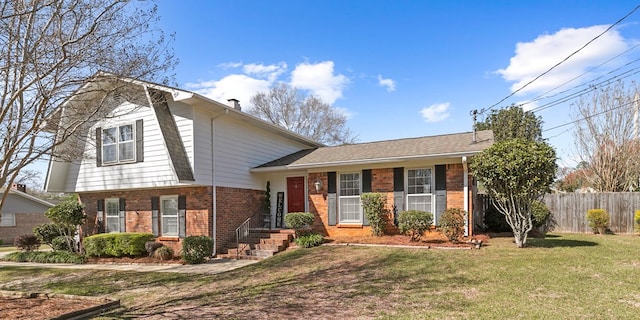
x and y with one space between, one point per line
295 194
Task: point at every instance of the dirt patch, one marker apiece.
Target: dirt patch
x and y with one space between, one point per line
16 305
430 239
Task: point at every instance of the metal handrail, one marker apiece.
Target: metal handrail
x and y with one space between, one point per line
242 233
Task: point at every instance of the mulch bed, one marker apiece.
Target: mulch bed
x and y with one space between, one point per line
430 239
15 305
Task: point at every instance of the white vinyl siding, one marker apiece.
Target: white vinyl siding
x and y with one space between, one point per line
349 198
169 215
112 215
420 189
8 220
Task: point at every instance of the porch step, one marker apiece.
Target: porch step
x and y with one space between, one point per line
261 244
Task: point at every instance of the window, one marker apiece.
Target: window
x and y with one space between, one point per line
118 144
112 213
349 201
419 190
8 220
169 215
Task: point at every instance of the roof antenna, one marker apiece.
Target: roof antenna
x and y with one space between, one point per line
474 114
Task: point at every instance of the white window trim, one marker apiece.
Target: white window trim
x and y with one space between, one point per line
107 216
117 144
3 219
354 222
431 194
161 216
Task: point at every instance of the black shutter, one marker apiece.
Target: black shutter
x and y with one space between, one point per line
441 177
182 216
366 181
398 179
332 203
99 147
100 216
121 215
155 204
139 141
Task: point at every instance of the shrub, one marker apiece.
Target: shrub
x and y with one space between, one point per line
62 243
1 242
414 223
152 246
495 221
636 218
195 249
452 223
163 253
116 244
374 206
27 242
46 257
49 231
309 240
298 220
598 220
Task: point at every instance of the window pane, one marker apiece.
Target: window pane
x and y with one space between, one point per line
350 209
422 203
8 220
169 226
113 224
419 181
109 136
126 133
169 212
109 153
126 151
112 208
170 207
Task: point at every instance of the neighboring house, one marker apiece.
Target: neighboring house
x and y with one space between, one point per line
177 164
21 212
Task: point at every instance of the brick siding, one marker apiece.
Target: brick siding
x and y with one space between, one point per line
25 222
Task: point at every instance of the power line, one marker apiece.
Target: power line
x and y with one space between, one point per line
591 116
561 62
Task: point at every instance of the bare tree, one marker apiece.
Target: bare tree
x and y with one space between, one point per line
49 50
308 116
606 137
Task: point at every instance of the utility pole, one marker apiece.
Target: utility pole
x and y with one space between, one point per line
474 114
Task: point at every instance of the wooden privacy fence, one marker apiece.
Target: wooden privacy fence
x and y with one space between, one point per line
570 210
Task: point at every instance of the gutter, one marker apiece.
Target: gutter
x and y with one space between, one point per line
465 189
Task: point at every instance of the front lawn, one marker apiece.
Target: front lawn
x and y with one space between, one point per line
560 277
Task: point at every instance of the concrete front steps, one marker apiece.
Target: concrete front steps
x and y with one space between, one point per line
261 244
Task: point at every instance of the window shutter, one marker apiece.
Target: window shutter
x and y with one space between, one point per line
182 216
366 181
332 203
441 177
398 179
100 216
99 147
398 205
139 141
122 214
155 204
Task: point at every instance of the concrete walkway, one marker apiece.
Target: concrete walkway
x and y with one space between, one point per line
212 267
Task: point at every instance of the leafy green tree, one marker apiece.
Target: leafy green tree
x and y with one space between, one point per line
516 173
511 123
68 215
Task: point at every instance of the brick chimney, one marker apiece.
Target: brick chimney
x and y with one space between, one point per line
234 103
20 187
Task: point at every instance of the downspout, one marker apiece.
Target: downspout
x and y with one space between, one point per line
465 177
213 184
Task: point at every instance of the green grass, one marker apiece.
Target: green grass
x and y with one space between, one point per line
560 277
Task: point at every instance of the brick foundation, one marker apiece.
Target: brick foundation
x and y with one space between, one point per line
234 206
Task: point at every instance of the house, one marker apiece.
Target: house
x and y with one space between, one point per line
21 212
174 163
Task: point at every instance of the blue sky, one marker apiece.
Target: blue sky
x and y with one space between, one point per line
400 68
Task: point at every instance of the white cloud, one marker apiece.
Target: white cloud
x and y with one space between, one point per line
234 86
320 79
533 58
230 65
435 112
388 83
270 72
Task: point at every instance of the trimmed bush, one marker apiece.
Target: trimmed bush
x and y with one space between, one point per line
152 246
374 206
414 223
49 231
163 253
62 243
598 220
636 218
27 242
195 249
309 240
452 223
116 244
46 257
298 221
